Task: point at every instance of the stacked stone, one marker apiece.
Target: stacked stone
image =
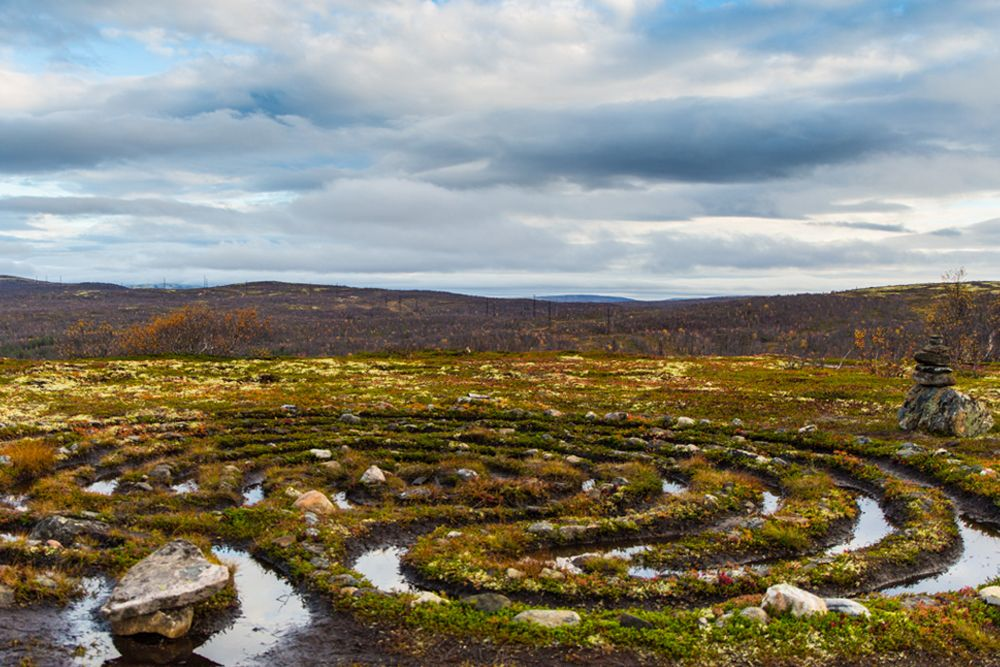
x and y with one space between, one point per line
933 405
933 364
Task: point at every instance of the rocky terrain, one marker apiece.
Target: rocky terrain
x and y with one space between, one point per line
536 509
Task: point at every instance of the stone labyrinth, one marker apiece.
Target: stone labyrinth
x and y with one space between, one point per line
503 522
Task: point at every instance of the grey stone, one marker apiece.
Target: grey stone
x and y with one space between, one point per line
170 623
7 598
755 614
174 576
627 620
66 531
846 607
373 475
785 598
548 618
944 411
488 602
349 418
990 595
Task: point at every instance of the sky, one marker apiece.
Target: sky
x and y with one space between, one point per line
645 148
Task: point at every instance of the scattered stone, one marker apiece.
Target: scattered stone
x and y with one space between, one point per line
288 407
627 620
66 531
489 603
45 581
541 528
990 595
316 502
293 493
373 475
808 428
284 541
321 454
548 618
7 598
736 422
161 474
862 440
426 597
616 417
933 406
344 580
467 474
908 449
332 467
755 614
53 544
171 578
684 422
573 459
590 416
846 607
549 573
785 598
514 573
552 412
453 534
349 418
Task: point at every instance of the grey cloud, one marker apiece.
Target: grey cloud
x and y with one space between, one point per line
869 226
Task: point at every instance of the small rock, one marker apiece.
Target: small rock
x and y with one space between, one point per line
349 418
467 474
373 475
514 573
541 528
552 412
549 573
66 531
846 607
755 614
316 502
782 598
627 620
683 422
162 474
426 597
453 534
170 623
808 428
573 459
344 580
332 467
990 595
321 454
284 541
590 416
616 417
488 602
736 422
7 598
548 618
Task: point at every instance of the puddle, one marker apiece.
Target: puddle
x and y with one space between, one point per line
340 500
872 527
189 486
382 568
771 503
979 562
104 487
269 608
672 487
17 503
253 494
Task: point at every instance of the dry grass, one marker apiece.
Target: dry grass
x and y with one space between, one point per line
30 458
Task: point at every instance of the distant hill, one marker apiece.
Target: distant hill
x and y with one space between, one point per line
584 298
331 319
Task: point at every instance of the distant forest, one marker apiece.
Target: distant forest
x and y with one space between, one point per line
47 320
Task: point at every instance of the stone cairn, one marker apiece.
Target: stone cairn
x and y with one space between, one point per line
933 405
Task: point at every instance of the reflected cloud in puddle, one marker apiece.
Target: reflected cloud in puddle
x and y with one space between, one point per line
382 568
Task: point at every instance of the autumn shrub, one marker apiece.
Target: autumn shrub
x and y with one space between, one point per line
30 458
198 330
87 339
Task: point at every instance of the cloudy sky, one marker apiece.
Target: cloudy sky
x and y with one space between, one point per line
638 147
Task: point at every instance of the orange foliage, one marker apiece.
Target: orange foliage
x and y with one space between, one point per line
30 458
198 330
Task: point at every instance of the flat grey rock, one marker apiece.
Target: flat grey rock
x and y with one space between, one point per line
175 575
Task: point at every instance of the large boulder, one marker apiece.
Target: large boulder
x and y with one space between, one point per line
66 530
944 411
153 594
785 598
